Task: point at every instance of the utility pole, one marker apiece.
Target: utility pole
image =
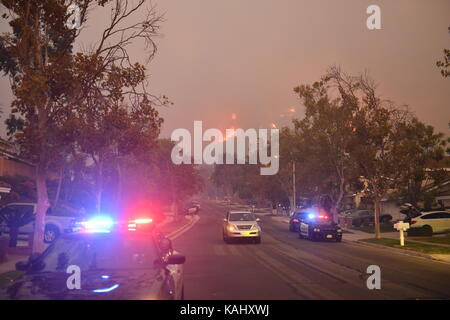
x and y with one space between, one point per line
293 187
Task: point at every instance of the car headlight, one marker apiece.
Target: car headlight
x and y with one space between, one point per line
231 227
339 230
316 230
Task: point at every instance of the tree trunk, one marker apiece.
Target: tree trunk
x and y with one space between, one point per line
99 189
41 167
376 217
58 189
334 213
42 207
119 187
337 203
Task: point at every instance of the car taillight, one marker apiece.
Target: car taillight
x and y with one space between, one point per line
323 217
413 222
134 224
295 220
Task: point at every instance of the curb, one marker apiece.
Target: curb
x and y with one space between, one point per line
400 251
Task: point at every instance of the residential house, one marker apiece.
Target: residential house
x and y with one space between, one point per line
11 164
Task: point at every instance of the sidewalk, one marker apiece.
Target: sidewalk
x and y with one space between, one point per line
356 235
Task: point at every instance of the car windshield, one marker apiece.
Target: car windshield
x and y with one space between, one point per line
105 252
242 216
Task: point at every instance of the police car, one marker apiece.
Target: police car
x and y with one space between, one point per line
102 259
316 225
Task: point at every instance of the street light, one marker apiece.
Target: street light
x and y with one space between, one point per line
293 186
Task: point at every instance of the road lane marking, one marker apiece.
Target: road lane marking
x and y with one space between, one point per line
175 234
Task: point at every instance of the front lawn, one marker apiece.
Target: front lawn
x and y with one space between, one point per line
413 246
443 240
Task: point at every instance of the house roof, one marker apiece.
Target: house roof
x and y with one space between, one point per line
11 156
442 187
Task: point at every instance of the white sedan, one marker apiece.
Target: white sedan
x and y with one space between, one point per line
432 222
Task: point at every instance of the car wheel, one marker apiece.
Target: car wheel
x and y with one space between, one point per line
310 236
338 239
300 236
51 233
427 230
291 228
225 238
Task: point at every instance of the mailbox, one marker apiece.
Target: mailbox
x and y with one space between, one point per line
402 227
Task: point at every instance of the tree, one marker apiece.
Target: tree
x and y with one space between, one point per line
36 56
423 145
289 148
180 181
381 148
45 75
327 135
448 141
351 138
444 64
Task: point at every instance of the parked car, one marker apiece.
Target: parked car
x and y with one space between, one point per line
55 224
348 212
362 217
430 222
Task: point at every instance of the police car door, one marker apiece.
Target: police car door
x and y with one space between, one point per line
303 225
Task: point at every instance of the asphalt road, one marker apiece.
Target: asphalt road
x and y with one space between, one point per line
285 267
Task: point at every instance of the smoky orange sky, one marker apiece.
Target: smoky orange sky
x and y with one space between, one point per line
234 63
